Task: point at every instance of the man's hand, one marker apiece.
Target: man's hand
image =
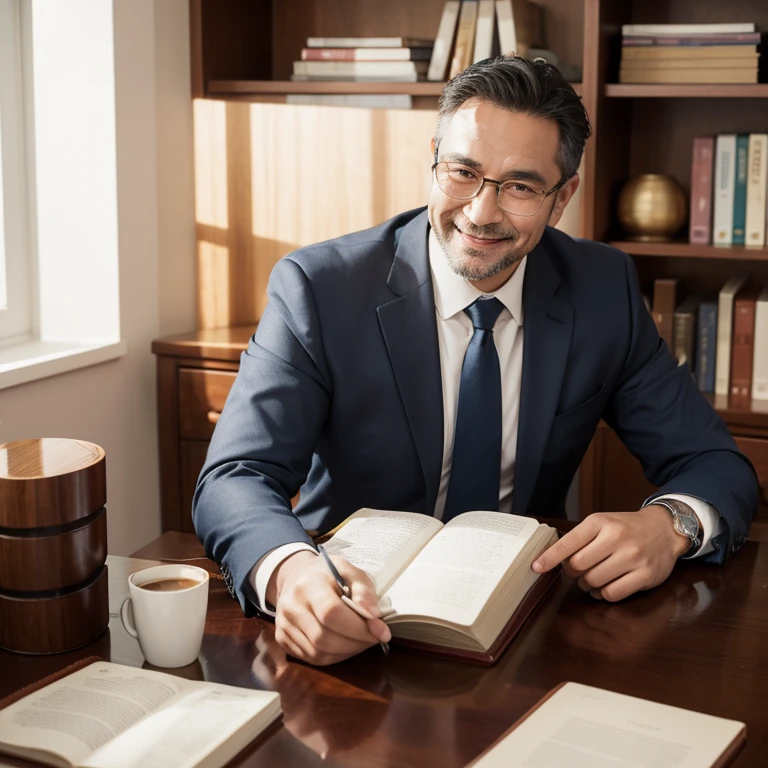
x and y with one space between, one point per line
615 554
312 623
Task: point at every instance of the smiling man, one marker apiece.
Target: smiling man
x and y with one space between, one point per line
458 358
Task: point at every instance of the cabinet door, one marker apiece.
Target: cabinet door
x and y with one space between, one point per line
202 394
757 452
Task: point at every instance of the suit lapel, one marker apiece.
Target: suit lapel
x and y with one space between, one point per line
548 326
410 333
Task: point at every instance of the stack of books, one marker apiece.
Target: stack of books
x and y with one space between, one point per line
723 340
729 188
364 59
689 53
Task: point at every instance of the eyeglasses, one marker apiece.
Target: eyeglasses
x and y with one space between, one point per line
515 197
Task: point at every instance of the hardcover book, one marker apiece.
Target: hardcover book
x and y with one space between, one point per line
743 345
760 360
757 189
725 182
700 230
724 329
706 346
105 715
441 53
740 190
461 589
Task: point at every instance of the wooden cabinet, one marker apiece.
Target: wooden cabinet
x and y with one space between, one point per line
195 372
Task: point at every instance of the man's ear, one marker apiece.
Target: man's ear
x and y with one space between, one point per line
564 195
432 147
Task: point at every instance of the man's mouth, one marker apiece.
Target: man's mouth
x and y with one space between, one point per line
479 241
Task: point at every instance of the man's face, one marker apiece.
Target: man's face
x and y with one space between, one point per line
482 242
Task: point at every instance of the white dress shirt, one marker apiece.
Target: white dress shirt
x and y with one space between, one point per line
453 294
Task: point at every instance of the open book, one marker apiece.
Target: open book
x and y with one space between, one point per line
583 727
111 716
462 589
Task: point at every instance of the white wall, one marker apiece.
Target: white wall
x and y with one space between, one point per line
114 404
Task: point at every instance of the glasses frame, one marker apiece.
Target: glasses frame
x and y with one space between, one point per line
485 180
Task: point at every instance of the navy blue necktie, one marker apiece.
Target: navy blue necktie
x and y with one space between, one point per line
476 463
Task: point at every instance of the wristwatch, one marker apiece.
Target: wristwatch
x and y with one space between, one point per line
685 521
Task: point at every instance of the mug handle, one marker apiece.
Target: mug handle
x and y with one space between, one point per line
126 615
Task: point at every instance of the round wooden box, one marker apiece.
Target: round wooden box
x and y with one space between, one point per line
53 545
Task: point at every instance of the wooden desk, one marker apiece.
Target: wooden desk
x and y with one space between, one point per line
700 641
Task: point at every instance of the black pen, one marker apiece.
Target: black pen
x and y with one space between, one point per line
346 594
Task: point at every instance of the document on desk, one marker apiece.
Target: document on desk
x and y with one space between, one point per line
578 726
112 716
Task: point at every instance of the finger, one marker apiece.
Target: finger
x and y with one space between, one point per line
590 556
332 614
325 640
362 590
300 645
376 626
571 543
627 585
603 573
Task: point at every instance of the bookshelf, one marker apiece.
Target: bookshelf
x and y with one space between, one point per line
647 129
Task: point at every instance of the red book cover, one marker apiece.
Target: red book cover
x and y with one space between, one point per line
742 349
701 190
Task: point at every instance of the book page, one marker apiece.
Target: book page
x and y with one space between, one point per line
585 727
382 542
76 715
454 575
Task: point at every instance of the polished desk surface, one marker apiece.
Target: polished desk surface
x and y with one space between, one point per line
699 641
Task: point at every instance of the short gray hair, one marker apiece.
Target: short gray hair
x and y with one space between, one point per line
533 88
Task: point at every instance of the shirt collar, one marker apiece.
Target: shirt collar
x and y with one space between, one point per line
454 294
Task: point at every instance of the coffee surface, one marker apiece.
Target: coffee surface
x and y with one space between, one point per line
173 584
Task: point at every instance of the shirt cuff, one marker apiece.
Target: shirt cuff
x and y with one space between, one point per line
711 522
262 572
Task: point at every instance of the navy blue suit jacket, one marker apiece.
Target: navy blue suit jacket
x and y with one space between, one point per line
339 395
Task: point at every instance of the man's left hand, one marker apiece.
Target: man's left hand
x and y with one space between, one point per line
614 554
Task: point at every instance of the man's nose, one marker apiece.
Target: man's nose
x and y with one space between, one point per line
484 209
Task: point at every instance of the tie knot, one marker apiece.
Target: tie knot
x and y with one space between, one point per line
484 312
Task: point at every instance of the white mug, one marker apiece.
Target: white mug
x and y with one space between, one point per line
169 625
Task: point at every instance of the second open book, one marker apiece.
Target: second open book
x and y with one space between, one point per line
462 589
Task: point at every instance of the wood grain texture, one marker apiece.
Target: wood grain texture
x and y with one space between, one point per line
34 563
698 641
202 393
50 482
42 625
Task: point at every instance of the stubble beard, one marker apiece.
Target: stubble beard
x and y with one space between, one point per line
471 263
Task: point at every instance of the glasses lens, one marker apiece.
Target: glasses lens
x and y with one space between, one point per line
519 199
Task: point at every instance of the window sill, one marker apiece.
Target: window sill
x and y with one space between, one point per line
39 359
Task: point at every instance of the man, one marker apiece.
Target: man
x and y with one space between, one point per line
461 358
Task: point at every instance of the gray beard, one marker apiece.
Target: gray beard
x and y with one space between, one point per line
479 271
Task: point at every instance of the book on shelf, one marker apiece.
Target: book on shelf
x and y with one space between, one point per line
686 29
685 317
465 38
521 26
743 344
723 192
355 69
734 62
757 190
368 42
693 40
700 229
441 53
458 590
740 190
580 726
664 302
690 54
730 75
706 346
484 29
366 54
725 302
104 715
760 360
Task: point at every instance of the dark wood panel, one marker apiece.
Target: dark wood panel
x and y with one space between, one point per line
757 452
690 251
225 344
202 394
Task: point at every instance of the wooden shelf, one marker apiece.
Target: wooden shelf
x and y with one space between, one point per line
745 413
255 88
687 250
687 91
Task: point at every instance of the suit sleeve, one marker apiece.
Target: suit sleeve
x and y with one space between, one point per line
683 445
262 447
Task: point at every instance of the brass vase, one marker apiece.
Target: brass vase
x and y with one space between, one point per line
652 207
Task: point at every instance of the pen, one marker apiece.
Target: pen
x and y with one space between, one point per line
345 592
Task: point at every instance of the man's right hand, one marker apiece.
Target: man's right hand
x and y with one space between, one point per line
312 622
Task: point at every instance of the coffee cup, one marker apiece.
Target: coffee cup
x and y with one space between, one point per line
166 612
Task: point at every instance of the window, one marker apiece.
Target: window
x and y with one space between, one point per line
16 304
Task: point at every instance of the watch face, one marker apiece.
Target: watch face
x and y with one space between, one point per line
687 526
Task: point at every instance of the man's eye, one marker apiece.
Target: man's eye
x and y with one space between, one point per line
464 174
519 190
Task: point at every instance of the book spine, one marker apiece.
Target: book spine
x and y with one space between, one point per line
757 189
365 54
465 37
687 29
664 295
705 40
760 359
743 347
734 75
684 329
505 21
705 349
689 53
725 178
358 68
484 30
366 42
740 190
441 53
724 328
701 190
